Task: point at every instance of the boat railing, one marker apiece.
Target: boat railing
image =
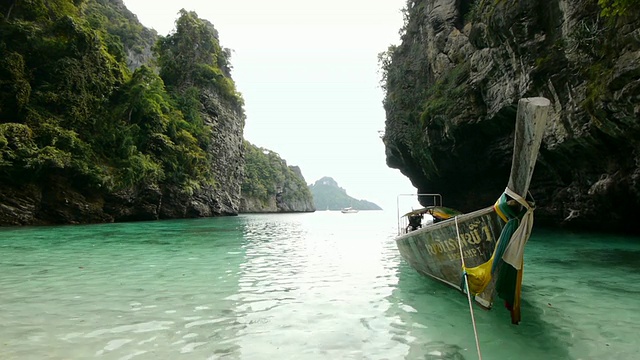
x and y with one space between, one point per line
425 200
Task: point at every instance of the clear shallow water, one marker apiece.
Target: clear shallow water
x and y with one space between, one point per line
298 286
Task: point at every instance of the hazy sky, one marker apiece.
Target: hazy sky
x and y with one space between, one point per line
308 72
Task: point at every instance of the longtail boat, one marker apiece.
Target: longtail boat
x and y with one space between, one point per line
485 246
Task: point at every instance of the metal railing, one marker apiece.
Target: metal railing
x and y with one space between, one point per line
435 200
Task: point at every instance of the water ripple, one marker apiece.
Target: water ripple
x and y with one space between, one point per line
296 286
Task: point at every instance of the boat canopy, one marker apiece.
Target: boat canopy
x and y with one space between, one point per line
438 212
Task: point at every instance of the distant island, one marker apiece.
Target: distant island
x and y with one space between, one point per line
327 195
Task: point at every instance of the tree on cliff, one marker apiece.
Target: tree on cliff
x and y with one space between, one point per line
68 103
267 177
56 78
450 108
72 114
191 58
619 7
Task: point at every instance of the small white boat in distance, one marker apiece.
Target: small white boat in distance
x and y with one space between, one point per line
349 210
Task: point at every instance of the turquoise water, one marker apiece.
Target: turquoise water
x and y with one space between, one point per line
297 286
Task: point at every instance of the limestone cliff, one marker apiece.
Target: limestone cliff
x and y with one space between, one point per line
226 161
271 186
453 83
137 40
84 140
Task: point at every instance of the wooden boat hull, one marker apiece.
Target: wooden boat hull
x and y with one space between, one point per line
437 251
434 250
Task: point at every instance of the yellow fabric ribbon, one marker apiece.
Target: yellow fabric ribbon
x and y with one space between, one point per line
480 276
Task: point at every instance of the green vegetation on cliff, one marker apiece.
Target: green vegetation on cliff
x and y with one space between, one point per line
191 59
618 7
118 21
69 105
56 76
268 178
453 83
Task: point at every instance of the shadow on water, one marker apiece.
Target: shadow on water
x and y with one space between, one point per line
155 242
165 233
589 250
602 262
433 320
596 257
627 258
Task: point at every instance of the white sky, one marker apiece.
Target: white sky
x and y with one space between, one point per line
308 73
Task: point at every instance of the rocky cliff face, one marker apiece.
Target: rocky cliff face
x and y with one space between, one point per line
227 163
290 195
61 200
62 195
137 40
453 83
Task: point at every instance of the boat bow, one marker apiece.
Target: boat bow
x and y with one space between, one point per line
486 247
